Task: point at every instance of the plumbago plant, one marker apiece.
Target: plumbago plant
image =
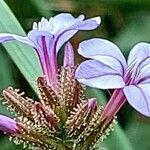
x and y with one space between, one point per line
62 119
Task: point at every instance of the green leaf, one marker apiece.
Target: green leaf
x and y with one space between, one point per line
6 76
138 132
23 56
5 67
118 140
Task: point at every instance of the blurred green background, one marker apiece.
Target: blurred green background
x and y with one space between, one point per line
124 22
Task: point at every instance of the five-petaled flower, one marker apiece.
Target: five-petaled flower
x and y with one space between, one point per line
62 119
108 70
48 36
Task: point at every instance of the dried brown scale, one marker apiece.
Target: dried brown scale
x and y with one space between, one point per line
80 120
48 95
65 82
63 120
48 116
71 89
36 137
97 131
18 103
88 131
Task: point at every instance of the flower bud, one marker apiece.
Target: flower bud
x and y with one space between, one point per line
8 125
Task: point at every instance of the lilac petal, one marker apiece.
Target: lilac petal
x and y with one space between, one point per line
77 24
35 36
138 62
138 97
63 21
139 52
88 24
60 39
96 74
44 46
4 37
143 72
8 125
104 51
68 56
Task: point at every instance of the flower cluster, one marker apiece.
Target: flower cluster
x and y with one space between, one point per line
62 119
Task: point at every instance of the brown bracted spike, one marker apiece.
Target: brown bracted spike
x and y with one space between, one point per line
89 132
81 117
34 139
48 95
76 94
71 89
31 112
63 86
96 130
15 101
45 115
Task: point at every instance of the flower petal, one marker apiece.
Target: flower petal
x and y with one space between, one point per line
139 52
35 37
96 74
8 125
68 56
138 97
63 21
63 37
87 24
8 37
76 24
105 52
44 46
139 63
143 72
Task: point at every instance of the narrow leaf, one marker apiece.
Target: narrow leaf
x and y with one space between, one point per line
23 56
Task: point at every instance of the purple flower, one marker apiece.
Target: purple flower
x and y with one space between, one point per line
108 70
47 37
8 125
